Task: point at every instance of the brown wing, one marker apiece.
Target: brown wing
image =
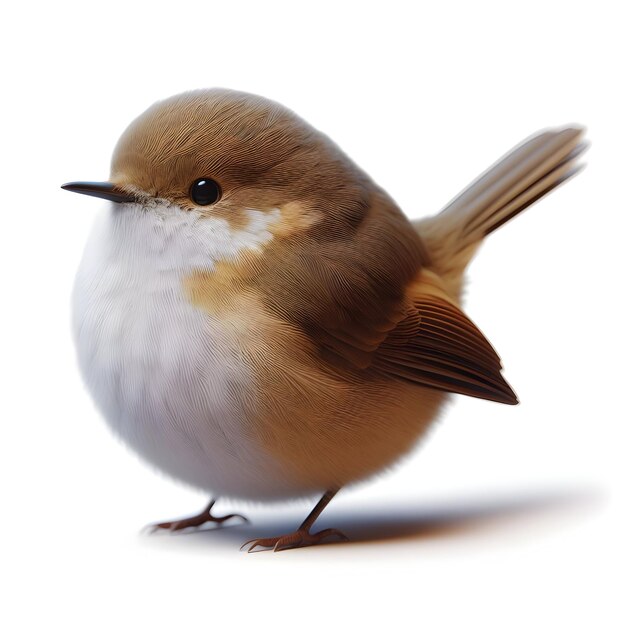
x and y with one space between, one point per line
363 297
438 346
345 285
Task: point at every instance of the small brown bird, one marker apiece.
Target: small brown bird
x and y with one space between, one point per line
257 318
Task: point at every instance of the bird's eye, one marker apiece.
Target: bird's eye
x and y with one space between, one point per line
205 191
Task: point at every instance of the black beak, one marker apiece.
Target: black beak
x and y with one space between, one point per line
108 191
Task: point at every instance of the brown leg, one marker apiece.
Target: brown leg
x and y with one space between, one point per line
301 537
196 521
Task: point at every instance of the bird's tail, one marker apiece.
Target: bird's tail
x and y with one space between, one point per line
524 175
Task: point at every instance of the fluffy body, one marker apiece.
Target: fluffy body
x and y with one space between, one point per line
163 372
299 335
232 401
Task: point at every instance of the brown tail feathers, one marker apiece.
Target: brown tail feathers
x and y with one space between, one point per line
523 176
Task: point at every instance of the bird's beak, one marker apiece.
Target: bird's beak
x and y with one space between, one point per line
108 191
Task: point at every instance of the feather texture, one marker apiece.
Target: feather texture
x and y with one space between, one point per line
518 180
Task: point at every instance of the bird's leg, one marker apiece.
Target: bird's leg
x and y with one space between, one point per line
196 520
301 537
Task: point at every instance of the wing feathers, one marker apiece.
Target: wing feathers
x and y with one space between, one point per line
438 346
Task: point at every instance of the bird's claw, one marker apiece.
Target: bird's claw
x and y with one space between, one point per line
298 539
195 522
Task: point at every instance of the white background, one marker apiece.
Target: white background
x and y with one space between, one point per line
506 515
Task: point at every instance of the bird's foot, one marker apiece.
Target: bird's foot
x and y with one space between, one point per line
196 521
299 539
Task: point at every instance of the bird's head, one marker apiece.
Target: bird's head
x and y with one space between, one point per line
224 153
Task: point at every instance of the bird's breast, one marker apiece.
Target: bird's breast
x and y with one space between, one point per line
168 377
193 370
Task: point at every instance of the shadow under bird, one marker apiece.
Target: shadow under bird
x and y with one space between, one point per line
257 318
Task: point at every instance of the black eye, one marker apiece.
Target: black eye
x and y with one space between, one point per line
205 191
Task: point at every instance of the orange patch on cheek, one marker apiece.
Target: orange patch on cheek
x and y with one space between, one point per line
294 217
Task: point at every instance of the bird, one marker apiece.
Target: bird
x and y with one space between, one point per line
257 318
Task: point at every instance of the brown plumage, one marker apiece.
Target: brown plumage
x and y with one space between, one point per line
346 314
